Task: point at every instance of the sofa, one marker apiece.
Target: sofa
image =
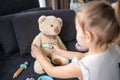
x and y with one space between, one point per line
17 32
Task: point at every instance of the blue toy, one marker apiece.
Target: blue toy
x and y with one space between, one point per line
45 45
45 77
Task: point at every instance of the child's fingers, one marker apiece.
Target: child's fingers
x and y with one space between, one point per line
54 45
35 46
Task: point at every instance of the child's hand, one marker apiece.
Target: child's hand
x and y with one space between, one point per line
36 50
55 48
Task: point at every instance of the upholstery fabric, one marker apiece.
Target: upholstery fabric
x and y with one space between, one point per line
7 36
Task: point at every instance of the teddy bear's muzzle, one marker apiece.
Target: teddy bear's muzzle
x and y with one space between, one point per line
56 30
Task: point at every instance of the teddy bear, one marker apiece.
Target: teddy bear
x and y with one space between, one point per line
50 27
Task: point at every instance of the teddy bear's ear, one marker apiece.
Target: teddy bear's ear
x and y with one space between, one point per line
41 19
60 21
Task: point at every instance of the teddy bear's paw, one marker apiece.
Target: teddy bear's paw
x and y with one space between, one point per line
57 61
37 68
39 72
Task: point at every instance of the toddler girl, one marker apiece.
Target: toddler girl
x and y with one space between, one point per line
97 26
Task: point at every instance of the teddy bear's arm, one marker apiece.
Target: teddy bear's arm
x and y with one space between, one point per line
62 46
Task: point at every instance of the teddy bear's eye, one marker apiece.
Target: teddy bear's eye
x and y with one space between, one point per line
51 25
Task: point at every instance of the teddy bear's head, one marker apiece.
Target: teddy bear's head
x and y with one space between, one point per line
50 25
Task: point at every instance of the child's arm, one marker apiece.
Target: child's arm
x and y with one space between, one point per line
69 71
70 54
67 54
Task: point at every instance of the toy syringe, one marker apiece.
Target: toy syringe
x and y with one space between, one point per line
22 67
45 45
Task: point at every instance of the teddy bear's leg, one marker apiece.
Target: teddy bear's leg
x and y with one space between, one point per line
37 68
59 60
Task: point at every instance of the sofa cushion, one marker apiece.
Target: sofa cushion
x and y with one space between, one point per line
7 36
26 27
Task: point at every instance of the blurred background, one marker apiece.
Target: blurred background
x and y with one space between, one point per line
13 6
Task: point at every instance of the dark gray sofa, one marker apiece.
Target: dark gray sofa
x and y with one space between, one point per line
16 34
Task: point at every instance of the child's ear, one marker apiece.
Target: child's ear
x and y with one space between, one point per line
89 36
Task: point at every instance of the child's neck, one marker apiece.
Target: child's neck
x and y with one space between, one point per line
97 49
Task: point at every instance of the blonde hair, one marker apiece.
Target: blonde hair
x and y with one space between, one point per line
101 19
